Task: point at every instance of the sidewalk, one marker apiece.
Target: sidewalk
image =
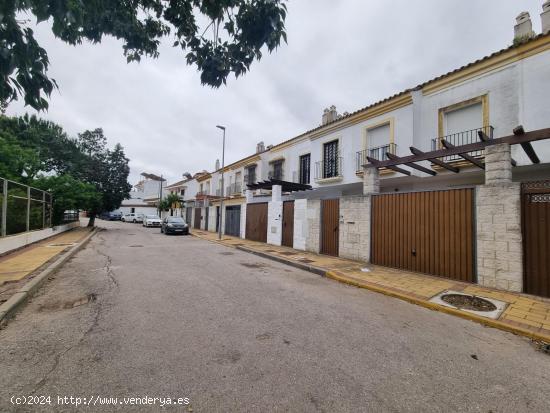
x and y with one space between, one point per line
524 314
19 264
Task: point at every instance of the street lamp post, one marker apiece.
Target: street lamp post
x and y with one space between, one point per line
222 192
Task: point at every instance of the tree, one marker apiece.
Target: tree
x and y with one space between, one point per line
238 30
106 169
170 202
69 193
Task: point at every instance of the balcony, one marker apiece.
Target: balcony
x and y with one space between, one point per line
234 189
463 138
250 179
329 169
202 194
276 174
378 152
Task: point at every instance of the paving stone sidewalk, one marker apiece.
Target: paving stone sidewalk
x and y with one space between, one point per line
18 267
526 315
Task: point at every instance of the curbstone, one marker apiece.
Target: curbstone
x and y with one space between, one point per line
8 308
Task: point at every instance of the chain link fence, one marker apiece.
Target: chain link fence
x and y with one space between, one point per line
23 208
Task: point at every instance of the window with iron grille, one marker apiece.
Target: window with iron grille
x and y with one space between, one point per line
277 170
251 175
305 162
330 159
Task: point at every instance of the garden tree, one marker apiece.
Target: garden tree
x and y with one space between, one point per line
68 193
106 169
17 163
218 37
170 202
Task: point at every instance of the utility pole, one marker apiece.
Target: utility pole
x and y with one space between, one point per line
222 192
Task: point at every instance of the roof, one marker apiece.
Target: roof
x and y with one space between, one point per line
152 176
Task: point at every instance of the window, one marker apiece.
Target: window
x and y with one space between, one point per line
305 162
277 170
250 176
463 119
182 192
379 142
330 160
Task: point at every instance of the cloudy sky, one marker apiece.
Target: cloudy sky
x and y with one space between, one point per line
348 53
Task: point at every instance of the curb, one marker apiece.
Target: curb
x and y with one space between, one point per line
436 307
316 270
432 306
24 293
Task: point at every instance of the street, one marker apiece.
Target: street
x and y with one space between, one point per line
140 314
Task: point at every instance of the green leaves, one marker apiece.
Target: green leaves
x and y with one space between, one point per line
232 38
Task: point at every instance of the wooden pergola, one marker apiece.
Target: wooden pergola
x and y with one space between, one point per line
286 186
520 137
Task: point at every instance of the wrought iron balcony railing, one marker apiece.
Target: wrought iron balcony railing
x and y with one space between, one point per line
378 152
203 193
463 138
250 179
331 168
276 174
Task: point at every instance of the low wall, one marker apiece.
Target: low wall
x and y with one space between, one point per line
14 242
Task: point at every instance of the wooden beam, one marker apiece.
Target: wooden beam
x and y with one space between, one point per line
527 147
533 136
376 162
412 165
484 138
465 156
436 161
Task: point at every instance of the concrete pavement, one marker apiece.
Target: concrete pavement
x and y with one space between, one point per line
137 313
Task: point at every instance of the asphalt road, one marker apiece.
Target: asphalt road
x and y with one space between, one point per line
179 317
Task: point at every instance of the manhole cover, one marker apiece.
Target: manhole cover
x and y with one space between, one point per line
468 302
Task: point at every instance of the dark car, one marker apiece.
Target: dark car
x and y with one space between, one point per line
174 225
111 216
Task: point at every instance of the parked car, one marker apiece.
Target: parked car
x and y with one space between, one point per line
152 221
132 217
111 216
174 225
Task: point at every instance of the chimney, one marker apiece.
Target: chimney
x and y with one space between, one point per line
329 115
523 29
217 166
545 17
260 147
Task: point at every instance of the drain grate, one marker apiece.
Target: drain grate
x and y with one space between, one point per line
136 246
468 302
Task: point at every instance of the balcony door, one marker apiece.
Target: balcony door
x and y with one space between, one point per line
330 159
305 167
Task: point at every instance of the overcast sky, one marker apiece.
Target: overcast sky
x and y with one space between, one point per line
349 53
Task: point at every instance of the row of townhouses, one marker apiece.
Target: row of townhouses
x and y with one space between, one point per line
386 184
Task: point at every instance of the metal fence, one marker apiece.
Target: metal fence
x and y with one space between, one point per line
23 208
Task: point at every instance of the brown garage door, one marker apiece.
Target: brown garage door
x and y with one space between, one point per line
330 212
288 224
536 237
429 232
256 222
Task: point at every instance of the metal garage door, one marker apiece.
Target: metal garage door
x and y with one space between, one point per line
429 232
536 237
233 220
256 222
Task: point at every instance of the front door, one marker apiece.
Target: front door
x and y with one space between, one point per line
198 217
535 210
288 224
206 218
217 218
233 220
330 227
